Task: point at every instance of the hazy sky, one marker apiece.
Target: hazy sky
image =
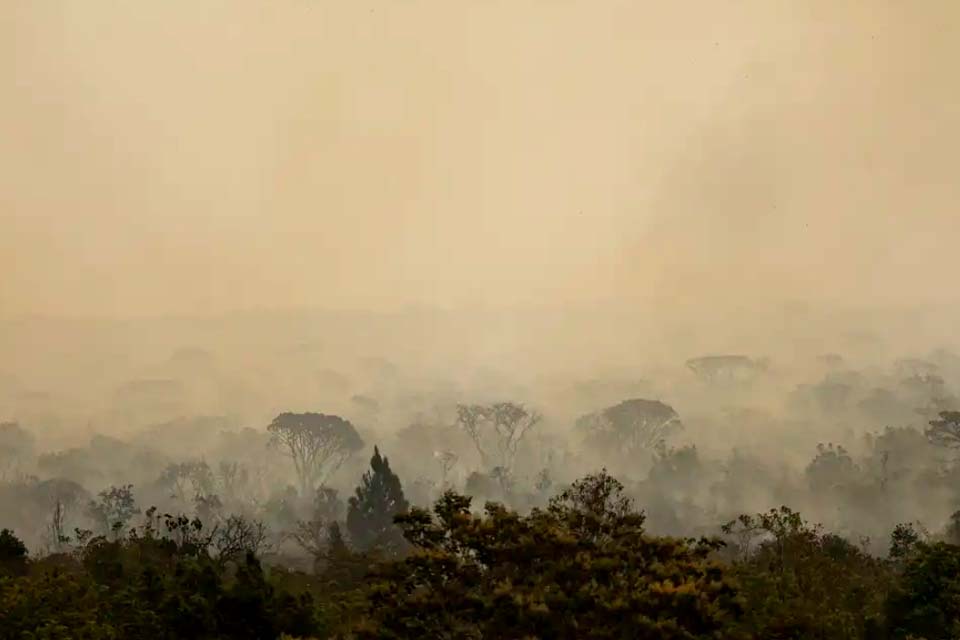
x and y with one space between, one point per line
198 156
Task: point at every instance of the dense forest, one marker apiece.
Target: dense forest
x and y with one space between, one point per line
493 519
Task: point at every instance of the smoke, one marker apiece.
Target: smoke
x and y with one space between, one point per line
519 189
201 157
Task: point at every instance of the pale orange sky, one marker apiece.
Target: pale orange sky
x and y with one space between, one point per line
196 156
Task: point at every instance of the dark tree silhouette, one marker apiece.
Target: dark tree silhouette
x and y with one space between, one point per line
13 554
378 499
317 443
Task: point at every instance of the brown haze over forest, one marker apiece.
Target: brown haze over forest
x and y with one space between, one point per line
532 187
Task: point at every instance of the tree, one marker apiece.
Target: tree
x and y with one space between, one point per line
583 568
147 585
313 535
832 468
343 574
946 430
378 499
497 430
447 460
13 554
926 600
804 583
237 537
596 507
188 480
317 443
725 368
114 509
60 497
629 427
904 540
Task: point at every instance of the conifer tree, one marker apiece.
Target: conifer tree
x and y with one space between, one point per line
371 511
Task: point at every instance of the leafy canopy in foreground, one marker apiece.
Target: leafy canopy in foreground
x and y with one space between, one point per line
582 568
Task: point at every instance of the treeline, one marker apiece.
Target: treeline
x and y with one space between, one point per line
582 566
228 553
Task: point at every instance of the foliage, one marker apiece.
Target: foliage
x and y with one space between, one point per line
152 585
378 499
803 583
13 554
926 600
582 568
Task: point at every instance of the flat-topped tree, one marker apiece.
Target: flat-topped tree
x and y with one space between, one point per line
497 430
630 426
317 443
725 367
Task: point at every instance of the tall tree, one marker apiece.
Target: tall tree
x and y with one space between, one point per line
497 430
378 499
317 443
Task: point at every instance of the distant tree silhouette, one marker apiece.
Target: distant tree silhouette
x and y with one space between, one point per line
497 430
113 509
317 443
725 367
629 427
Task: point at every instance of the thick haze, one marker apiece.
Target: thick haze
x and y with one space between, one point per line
213 213
200 157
